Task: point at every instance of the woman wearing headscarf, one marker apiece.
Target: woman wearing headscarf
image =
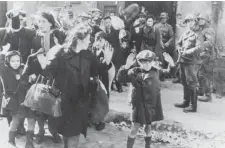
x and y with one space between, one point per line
151 38
75 70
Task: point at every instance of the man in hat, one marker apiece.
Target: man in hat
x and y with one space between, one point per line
95 15
206 38
188 64
84 18
136 34
167 35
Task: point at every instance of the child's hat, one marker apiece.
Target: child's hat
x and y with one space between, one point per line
145 55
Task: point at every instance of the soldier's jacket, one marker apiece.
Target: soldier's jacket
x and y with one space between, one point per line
188 41
205 43
167 33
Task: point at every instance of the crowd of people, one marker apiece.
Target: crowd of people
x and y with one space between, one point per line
76 53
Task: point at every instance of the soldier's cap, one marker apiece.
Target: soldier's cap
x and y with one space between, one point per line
84 16
141 15
164 15
145 55
70 13
94 10
188 18
107 17
204 16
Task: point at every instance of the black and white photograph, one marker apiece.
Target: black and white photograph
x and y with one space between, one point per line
112 74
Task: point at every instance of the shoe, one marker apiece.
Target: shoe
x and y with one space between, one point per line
207 98
29 143
190 109
147 142
184 104
176 81
56 138
100 126
130 142
12 137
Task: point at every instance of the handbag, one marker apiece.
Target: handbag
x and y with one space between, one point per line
44 98
100 105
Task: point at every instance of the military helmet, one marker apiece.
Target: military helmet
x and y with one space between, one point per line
204 16
189 17
145 55
164 15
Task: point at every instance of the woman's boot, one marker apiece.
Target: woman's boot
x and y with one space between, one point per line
12 137
65 140
130 142
21 130
29 143
147 142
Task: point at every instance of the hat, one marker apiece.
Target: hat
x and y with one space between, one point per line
164 15
107 17
142 14
204 16
189 17
70 13
84 15
146 55
94 10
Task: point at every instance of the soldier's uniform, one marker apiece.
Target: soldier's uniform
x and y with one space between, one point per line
188 65
206 42
166 31
167 34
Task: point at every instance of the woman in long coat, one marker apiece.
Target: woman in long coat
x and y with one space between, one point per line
151 38
75 71
44 38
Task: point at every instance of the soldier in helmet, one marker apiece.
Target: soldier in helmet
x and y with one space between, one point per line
167 34
206 37
188 64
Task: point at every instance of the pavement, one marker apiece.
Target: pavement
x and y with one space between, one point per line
209 121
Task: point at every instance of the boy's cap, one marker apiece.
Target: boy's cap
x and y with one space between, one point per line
146 55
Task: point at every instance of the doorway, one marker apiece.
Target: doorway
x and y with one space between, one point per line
156 7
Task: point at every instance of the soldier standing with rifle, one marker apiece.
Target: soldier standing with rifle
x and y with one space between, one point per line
188 61
206 37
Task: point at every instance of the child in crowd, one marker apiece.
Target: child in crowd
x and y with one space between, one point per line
145 98
13 92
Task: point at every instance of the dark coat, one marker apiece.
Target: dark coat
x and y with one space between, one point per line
72 72
14 89
113 39
146 97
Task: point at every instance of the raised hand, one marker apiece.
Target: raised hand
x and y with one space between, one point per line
108 52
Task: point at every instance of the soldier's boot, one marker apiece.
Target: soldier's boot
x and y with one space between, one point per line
130 142
186 101
193 105
12 137
147 142
29 142
207 98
